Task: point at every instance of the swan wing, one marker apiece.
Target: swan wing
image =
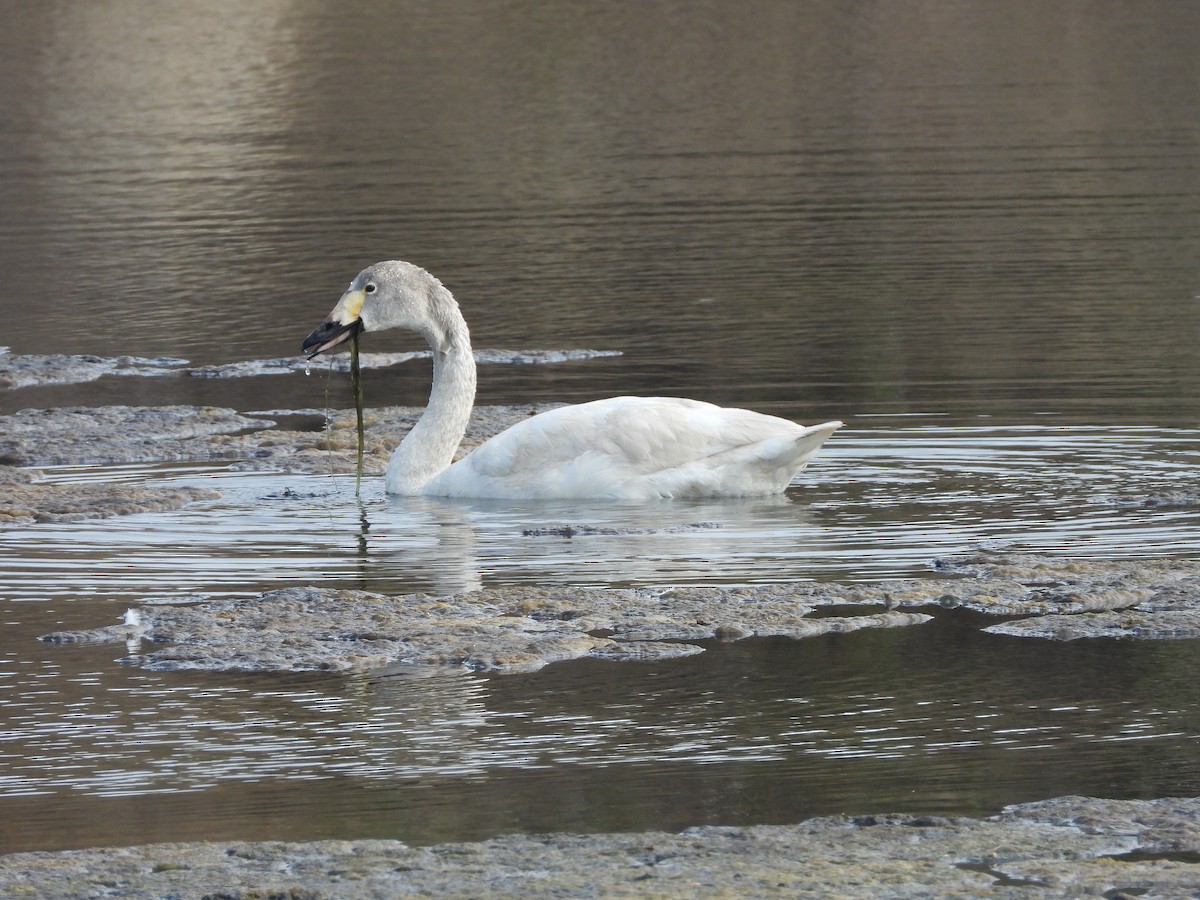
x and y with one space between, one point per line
636 448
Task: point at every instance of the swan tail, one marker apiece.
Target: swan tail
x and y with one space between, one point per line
780 459
764 467
803 447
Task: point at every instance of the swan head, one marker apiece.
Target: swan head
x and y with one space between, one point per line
391 294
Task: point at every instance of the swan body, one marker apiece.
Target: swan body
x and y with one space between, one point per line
630 448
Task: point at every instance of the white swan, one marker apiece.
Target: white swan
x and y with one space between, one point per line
634 448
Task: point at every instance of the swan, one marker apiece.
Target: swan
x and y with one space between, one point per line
622 448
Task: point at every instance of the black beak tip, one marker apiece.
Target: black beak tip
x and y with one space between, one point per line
329 335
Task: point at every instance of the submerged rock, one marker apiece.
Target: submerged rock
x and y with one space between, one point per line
1069 846
515 629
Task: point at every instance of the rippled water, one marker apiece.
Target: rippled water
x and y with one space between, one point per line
972 231
862 207
940 719
876 503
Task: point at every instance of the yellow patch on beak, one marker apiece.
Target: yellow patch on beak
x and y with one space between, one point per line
348 308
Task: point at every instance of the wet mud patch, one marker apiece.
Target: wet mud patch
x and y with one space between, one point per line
137 434
1069 846
523 628
1068 599
1058 598
1163 500
18 371
514 629
121 434
340 362
25 500
334 448
1129 623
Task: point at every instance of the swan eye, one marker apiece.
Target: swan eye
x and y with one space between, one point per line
370 289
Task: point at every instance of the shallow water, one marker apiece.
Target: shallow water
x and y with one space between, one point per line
972 232
877 503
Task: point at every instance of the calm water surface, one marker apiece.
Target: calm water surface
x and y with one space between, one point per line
970 231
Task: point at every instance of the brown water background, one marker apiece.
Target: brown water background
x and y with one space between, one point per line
971 230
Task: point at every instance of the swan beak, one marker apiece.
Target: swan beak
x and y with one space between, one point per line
339 326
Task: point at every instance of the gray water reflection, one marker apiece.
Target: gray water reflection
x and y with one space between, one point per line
756 731
882 207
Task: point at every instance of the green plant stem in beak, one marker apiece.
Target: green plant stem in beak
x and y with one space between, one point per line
356 381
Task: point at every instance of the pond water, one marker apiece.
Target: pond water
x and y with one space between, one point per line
972 232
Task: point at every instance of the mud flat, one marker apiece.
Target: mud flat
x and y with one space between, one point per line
25 500
1042 597
18 371
307 441
1066 847
1068 599
522 628
512 629
132 434
135 434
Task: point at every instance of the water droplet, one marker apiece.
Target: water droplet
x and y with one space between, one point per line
307 369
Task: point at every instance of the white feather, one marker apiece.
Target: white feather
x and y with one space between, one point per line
636 448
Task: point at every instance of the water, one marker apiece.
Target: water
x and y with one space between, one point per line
971 232
762 731
875 504
848 207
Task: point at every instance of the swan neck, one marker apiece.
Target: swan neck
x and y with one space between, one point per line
429 448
